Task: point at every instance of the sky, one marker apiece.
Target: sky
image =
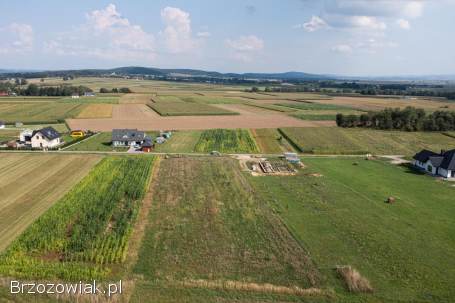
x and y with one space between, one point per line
344 37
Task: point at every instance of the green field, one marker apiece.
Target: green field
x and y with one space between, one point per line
86 231
180 142
405 249
226 141
206 227
42 112
324 140
270 141
187 109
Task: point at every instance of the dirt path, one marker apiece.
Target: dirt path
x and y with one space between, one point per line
135 240
144 119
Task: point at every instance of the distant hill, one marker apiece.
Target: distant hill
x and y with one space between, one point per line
202 75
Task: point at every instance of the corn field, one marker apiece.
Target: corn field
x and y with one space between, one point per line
87 229
227 141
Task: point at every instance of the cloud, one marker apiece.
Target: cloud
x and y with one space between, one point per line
342 48
404 24
106 35
203 34
246 43
366 15
245 46
177 34
366 22
16 38
314 24
378 8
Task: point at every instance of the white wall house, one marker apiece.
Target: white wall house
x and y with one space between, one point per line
127 137
442 164
46 138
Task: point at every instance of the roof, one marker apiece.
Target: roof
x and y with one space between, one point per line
436 160
444 160
147 142
2 123
127 135
425 155
449 160
49 132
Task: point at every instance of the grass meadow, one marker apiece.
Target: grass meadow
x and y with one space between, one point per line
324 140
207 227
406 249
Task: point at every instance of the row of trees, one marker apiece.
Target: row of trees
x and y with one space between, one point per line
62 90
408 119
35 90
122 90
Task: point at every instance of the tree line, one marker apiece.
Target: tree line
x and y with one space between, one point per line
35 90
408 119
122 90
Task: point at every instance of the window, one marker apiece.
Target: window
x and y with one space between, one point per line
430 168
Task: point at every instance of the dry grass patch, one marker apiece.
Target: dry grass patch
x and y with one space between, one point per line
96 111
355 282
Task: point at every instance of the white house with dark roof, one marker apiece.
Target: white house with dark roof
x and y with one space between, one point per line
45 138
127 137
438 164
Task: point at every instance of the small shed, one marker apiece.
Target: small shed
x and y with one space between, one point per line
19 124
74 96
166 134
160 140
2 124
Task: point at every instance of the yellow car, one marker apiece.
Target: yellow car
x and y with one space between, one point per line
77 134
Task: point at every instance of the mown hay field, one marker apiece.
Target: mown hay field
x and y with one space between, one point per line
31 183
325 140
86 232
91 111
207 227
227 141
179 108
338 211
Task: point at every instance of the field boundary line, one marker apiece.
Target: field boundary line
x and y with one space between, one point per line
142 221
78 142
254 287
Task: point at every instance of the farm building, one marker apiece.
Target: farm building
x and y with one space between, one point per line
89 94
127 137
438 164
74 96
25 136
3 94
45 138
19 124
147 145
2 124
